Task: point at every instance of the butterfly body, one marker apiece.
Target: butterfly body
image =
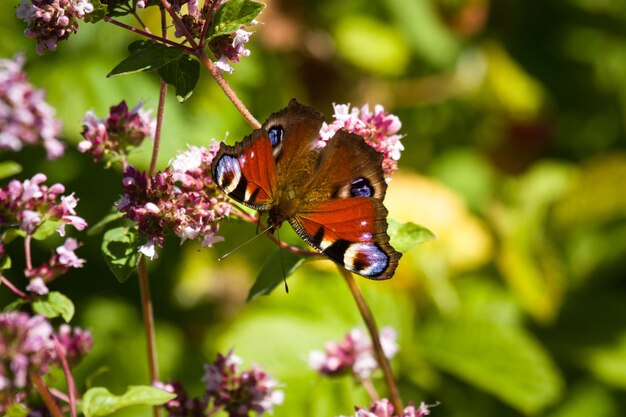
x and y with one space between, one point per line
330 193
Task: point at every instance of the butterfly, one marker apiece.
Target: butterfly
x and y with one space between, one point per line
331 194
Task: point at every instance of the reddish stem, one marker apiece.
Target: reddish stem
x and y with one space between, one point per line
368 318
71 386
12 287
52 406
148 319
27 255
148 35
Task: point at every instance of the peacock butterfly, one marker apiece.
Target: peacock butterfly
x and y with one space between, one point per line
331 195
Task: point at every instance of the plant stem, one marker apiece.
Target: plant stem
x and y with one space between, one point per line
148 35
12 287
148 319
53 407
71 386
179 24
230 93
27 256
161 110
368 318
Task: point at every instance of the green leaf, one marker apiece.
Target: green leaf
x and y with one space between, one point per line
15 305
9 168
502 360
9 235
17 410
404 236
54 304
120 250
47 229
98 228
272 272
183 74
138 45
99 11
100 402
150 58
232 15
5 263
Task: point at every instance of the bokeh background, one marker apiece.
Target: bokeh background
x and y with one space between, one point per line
514 116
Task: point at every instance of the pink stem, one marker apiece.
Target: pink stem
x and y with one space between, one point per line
71 386
12 287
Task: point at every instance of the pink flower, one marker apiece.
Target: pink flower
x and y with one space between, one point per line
182 199
67 256
383 408
25 117
116 135
378 128
240 393
230 48
51 21
354 354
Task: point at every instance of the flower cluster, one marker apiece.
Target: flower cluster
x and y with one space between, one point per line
378 128
25 117
383 408
354 354
61 260
51 21
238 393
27 347
230 48
27 205
182 199
115 135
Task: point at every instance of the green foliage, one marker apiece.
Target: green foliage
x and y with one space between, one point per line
183 74
99 402
150 56
404 236
54 304
120 249
9 168
17 410
278 267
233 14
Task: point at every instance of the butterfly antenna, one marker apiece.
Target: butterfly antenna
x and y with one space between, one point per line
282 265
245 243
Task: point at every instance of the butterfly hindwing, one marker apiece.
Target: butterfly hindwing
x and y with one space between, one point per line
351 232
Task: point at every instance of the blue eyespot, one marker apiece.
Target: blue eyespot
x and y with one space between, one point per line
276 135
361 187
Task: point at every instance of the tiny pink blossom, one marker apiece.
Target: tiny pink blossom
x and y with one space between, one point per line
378 128
67 256
37 286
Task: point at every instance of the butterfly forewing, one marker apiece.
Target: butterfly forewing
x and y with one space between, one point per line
247 171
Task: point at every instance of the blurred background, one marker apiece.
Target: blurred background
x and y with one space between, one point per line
514 120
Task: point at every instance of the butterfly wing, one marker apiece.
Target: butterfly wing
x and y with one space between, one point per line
352 232
343 216
279 155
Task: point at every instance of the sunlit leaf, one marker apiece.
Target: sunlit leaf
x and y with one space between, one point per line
120 250
100 402
9 168
47 229
98 228
17 410
54 304
277 268
232 15
404 236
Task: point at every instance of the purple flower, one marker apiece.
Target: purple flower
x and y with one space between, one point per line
30 203
354 354
25 117
182 405
378 128
240 393
25 346
182 199
116 135
383 408
51 21
75 341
